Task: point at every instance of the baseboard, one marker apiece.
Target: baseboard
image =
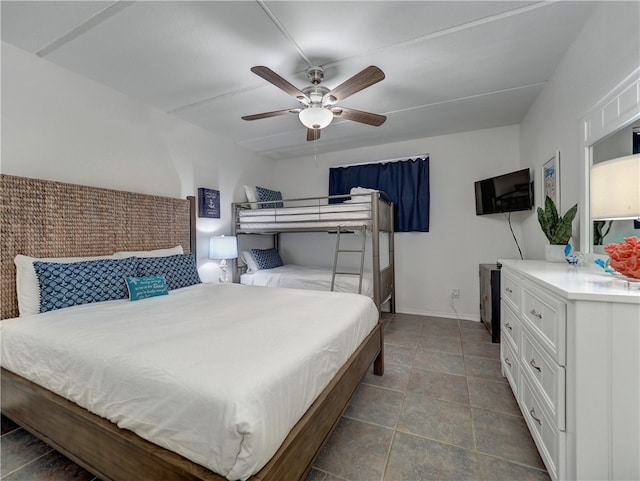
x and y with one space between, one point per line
447 315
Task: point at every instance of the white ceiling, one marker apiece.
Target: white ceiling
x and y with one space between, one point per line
450 66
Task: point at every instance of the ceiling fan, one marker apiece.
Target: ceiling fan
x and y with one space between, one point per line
317 102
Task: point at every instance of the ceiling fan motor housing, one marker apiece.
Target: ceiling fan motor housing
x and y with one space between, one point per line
315 74
316 94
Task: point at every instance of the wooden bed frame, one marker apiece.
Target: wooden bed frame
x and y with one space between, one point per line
51 219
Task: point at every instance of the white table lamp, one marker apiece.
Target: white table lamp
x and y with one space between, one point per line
615 189
223 248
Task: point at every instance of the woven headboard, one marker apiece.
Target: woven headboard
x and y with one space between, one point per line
42 218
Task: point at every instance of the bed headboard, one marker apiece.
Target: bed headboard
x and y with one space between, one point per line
42 218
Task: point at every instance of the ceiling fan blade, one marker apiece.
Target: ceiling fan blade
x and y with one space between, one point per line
359 116
266 115
313 134
272 77
359 81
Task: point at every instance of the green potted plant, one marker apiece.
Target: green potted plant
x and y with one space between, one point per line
598 228
557 228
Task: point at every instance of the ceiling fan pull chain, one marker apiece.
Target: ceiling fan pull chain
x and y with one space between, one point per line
315 151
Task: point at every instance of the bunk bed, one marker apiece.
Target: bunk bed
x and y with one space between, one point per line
369 213
51 219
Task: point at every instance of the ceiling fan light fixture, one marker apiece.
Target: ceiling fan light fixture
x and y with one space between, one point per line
316 117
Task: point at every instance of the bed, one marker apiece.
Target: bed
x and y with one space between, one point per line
362 211
307 277
43 218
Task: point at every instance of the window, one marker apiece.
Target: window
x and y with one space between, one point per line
406 183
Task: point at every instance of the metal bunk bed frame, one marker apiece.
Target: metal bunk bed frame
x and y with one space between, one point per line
380 218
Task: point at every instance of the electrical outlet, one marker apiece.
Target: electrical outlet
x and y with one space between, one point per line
455 293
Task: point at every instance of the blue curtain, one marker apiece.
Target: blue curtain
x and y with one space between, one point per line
406 182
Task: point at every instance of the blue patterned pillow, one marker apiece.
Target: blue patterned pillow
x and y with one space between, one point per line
267 258
144 287
266 195
179 270
66 285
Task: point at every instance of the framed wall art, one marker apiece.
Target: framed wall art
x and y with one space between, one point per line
551 180
208 203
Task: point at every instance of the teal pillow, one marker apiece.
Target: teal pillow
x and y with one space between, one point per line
144 287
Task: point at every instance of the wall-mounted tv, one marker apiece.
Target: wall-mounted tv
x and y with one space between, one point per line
504 193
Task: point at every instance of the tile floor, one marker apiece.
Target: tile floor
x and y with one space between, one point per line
442 411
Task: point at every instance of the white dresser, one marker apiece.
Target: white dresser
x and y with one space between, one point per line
570 349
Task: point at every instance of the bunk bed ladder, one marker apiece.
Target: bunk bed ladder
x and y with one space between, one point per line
335 260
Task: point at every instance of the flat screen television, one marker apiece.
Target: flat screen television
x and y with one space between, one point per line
504 193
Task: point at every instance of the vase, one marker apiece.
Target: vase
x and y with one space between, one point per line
554 253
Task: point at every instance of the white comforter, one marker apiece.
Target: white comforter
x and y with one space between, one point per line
307 277
218 373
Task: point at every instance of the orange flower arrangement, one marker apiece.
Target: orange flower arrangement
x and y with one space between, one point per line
625 257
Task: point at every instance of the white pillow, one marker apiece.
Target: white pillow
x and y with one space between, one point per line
250 261
252 197
361 190
27 286
360 198
171 251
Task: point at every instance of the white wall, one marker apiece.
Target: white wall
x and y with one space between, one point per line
428 265
605 52
59 126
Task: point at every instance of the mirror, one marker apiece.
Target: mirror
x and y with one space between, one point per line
625 141
611 120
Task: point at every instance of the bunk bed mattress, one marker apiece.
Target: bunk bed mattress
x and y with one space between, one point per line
345 214
218 373
307 277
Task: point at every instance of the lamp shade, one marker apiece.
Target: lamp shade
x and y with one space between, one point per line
615 189
316 117
223 247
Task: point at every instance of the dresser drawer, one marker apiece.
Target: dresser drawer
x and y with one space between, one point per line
545 376
510 290
510 326
544 432
510 367
545 315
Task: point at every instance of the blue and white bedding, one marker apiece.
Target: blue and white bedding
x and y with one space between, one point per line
218 373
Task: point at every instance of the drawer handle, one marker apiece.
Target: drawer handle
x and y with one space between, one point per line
532 411
508 326
533 365
508 289
534 313
507 362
